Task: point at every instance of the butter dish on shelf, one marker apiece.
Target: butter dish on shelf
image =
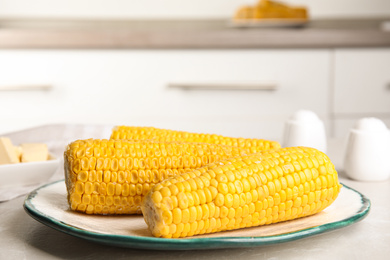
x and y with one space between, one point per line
269 23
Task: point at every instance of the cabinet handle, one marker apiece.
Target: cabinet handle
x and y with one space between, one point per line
264 86
32 87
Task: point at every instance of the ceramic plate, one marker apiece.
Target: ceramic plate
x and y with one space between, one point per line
49 206
269 23
26 174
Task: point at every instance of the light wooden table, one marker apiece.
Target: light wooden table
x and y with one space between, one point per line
22 237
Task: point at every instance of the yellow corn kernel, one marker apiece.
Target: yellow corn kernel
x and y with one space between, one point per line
255 202
151 133
130 168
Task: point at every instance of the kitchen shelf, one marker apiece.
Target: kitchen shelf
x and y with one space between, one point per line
187 34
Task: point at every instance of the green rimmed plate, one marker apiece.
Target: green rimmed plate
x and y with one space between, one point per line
48 205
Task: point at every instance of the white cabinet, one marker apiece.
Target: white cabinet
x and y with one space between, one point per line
130 87
361 87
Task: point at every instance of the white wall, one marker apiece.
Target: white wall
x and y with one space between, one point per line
190 9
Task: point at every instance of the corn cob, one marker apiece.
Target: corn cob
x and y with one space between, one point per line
112 176
144 133
264 188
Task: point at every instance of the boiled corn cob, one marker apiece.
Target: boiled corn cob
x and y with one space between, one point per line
143 133
264 188
112 176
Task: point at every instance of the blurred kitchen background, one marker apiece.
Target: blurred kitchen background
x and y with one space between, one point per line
179 64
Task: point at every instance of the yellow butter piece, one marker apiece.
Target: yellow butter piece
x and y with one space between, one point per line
18 152
34 152
267 9
7 151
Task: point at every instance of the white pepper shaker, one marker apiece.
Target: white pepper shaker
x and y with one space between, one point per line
367 155
305 128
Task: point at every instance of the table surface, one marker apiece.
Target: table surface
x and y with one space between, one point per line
188 34
22 237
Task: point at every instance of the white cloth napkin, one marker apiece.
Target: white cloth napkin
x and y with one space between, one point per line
14 192
56 137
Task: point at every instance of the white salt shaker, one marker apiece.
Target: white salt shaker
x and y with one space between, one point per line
305 128
367 155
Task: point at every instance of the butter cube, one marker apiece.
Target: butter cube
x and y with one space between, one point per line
18 152
7 151
34 152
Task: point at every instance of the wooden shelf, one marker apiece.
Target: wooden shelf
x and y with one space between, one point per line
195 34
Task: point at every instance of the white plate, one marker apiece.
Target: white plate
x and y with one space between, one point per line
26 174
48 204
